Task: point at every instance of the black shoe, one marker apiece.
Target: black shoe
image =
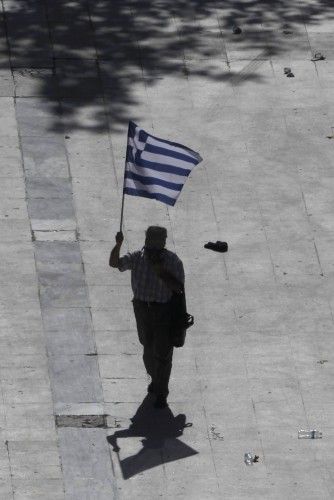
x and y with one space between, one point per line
219 246
161 401
150 388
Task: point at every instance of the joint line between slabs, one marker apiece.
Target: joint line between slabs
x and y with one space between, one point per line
207 427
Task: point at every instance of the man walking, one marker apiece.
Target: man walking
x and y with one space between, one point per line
155 274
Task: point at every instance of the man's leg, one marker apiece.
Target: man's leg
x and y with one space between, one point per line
145 334
163 349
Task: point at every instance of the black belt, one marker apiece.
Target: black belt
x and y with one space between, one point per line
151 303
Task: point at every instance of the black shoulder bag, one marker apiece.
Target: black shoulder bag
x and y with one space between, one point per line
180 319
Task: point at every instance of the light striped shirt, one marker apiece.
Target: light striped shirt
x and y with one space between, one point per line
146 285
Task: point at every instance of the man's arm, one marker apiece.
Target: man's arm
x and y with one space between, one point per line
114 255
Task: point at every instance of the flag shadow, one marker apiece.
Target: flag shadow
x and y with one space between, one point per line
160 431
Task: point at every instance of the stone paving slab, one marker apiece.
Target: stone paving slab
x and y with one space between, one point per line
88 477
44 156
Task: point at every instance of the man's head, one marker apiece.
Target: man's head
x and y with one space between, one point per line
155 238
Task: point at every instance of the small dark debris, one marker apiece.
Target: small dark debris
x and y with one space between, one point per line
286 29
215 434
67 137
256 458
237 30
219 246
83 421
91 354
322 361
288 72
318 56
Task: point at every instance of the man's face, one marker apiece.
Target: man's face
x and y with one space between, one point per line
154 248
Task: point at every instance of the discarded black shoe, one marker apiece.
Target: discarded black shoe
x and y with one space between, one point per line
161 402
219 246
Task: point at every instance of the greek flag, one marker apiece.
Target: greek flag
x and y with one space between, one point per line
156 168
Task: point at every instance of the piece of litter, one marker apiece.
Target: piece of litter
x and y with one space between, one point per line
215 434
318 56
287 70
236 30
331 136
290 75
309 434
322 361
249 459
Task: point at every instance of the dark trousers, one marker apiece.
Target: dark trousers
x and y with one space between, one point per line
153 325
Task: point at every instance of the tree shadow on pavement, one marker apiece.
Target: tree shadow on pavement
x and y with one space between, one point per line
106 53
160 431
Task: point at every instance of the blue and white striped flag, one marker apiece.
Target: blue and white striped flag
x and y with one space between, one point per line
156 168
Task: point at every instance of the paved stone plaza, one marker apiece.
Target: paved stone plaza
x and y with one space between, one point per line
258 365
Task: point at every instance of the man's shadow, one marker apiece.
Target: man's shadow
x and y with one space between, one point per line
160 430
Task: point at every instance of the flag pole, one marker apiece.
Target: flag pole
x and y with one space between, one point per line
126 158
122 208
